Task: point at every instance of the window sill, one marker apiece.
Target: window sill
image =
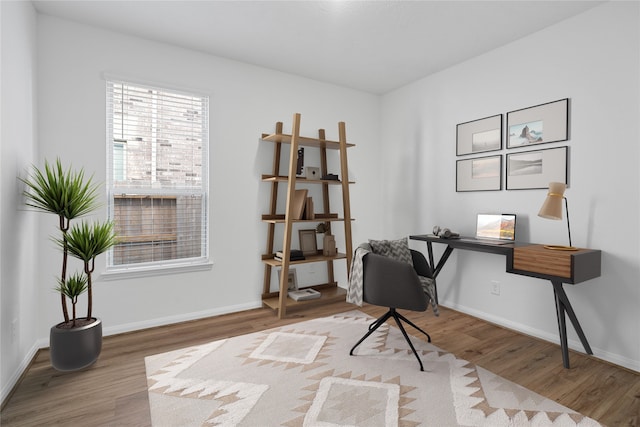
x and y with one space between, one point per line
151 271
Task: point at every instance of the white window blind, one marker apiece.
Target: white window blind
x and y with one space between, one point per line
157 175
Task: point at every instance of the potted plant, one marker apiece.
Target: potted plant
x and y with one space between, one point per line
76 342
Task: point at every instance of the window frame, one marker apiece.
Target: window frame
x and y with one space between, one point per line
176 265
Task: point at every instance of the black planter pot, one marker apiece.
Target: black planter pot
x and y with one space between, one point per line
77 348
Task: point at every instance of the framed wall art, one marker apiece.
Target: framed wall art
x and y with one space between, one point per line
479 136
538 125
536 169
479 174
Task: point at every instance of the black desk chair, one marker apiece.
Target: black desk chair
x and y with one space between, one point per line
394 284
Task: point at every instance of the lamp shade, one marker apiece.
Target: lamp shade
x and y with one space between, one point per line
552 206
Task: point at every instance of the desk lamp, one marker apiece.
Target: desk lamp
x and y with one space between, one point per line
552 209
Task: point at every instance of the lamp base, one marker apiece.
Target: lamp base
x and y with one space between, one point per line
561 248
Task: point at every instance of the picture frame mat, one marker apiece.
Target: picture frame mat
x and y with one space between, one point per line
479 174
490 126
535 169
552 117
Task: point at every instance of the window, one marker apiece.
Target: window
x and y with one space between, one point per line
157 176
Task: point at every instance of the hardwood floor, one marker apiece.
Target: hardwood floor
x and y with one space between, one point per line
113 392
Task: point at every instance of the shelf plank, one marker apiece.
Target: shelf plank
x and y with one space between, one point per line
303 141
278 219
331 294
270 260
282 178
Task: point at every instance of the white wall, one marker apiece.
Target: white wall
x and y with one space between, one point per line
593 59
245 101
18 296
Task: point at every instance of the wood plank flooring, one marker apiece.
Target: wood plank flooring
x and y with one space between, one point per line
113 392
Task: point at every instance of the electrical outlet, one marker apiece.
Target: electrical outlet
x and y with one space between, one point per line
14 330
495 287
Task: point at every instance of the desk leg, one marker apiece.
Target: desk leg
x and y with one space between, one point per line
435 269
564 306
431 265
443 259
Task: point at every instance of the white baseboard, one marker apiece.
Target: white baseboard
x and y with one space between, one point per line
129 327
169 320
616 359
11 383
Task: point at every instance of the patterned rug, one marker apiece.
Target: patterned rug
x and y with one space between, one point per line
302 375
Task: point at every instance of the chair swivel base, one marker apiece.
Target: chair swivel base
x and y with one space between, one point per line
398 318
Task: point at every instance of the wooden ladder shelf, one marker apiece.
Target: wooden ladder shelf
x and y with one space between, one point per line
330 291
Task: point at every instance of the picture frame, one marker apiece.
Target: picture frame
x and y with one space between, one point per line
536 168
539 124
308 242
292 279
479 136
479 174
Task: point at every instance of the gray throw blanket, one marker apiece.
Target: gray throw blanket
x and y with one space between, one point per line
356 276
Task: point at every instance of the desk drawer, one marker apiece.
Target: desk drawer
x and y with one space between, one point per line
575 266
537 259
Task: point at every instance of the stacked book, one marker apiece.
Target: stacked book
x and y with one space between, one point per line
294 255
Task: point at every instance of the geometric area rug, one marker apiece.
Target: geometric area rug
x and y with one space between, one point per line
302 375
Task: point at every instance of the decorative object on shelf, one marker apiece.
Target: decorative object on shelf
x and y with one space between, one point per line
329 245
535 169
329 240
308 243
308 209
330 177
292 279
539 124
479 136
552 209
323 227
294 255
304 294
479 174
312 172
300 161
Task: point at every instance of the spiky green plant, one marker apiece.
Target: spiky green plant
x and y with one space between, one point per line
65 194
86 241
72 288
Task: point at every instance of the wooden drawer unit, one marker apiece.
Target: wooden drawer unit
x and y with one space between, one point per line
537 261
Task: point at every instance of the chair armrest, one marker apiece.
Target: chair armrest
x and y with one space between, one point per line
420 264
391 283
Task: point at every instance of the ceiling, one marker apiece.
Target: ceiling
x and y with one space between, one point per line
373 46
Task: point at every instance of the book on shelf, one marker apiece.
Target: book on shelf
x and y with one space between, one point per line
294 255
299 200
308 209
304 294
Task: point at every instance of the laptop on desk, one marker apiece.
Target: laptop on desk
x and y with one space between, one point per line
494 229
